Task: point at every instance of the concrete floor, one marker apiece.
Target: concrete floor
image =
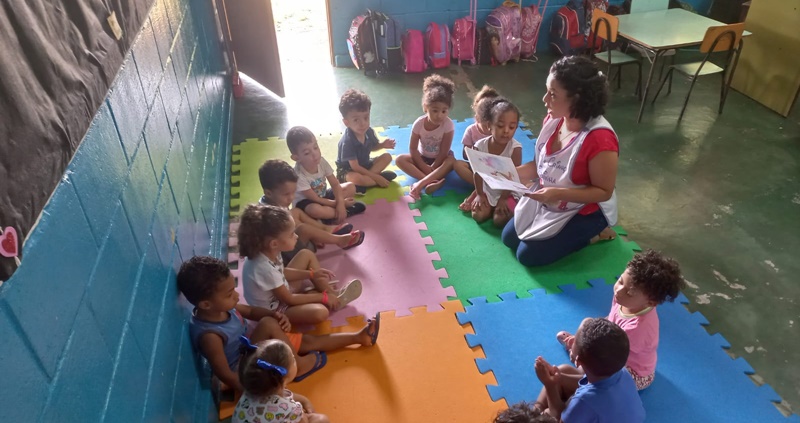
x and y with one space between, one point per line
719 193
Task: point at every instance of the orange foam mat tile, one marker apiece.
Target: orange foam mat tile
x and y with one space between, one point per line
420 370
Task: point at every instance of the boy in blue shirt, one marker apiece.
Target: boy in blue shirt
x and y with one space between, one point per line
606 393
353 163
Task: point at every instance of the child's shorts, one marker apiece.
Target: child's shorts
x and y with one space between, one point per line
343 169
641 381
429 160
295 339
302 204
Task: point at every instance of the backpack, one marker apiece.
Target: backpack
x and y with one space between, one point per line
437 45
503 25
589 6
531 22
566 35
464 35
388 34
413 51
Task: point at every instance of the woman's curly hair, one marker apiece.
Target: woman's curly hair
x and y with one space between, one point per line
438 89
585 85
258 224
658 276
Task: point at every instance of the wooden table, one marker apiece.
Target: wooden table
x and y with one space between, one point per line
661 31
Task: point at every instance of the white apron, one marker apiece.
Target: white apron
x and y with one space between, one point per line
537 221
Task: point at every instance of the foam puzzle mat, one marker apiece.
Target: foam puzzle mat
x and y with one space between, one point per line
420 371
696 381
463 321
402 135
480 265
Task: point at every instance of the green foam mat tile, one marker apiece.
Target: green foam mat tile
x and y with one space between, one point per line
248 156
478 264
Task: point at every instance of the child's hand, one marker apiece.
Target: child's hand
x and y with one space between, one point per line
389 143
341 212
479 202
502 208
547 373
283 321
333 301
381 181
348 202
321 272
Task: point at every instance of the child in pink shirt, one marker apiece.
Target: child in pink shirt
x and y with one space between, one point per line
649 280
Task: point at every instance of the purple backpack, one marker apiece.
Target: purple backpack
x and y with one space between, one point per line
503 25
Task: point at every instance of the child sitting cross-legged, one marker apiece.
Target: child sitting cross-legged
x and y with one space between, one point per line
279 182
649 279
266 231
313 196
218 322
601 390
266 368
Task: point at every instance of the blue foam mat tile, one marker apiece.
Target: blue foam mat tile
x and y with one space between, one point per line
695 380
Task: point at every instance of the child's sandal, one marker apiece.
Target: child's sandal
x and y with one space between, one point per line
356 238
342 229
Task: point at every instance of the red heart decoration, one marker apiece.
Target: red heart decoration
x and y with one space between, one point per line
8 243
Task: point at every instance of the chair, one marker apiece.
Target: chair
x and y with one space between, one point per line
725 38
606 27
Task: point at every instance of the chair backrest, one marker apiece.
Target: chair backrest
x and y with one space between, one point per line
722 38
641 6
605 25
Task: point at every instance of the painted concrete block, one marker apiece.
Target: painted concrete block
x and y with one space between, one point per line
162 378
18 364
139 197
177 168
148 61
157 136
128 388
128 106
161 31
181 55
165 226
171 95
59 257
84 376
186 382
175 11
98 171
148 302
186 125
112 285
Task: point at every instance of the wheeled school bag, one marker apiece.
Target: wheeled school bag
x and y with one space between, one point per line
503 25
413 48
464 35
531 22
483 48
566 30
437 45
374 43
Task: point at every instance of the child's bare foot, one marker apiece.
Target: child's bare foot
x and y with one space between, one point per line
466 205
434 186
607 234
415 191
368 336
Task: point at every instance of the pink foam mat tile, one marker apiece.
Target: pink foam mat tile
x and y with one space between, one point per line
393 264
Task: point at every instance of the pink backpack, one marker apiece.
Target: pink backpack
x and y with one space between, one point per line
531 23
503 25
464 35
413 52
437 45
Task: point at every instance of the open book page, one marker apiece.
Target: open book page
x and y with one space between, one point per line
498 172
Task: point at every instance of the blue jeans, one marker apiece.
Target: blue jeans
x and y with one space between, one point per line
573 236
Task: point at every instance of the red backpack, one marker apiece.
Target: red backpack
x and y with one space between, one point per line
437 45
464 35
566 32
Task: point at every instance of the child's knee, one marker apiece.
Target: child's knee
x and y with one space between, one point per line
319 314
480 216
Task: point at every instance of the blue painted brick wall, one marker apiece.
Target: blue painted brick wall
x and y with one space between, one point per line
91 326
416 14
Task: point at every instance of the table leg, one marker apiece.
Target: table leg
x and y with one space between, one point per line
658 55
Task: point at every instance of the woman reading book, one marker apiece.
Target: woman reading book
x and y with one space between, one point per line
574 173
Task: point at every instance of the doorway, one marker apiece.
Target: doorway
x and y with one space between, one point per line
306 63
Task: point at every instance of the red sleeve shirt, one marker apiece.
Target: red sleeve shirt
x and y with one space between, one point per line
596 142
